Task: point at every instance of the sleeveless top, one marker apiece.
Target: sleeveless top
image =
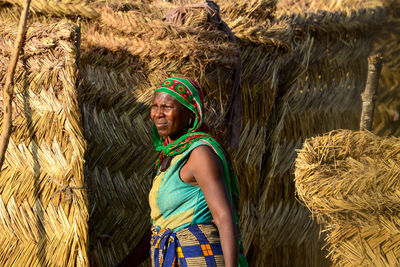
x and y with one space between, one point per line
174 203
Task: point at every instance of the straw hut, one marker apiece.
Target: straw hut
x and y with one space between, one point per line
302 66
43 202
349 181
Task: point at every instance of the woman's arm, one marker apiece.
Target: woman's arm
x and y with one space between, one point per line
206 168
139 254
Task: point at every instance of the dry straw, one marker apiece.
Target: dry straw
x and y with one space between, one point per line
349 181
320 80
387 113
43 203
60 8
386 117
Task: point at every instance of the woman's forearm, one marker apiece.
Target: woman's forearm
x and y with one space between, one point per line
229 240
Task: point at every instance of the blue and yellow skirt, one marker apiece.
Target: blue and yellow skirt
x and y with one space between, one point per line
195 245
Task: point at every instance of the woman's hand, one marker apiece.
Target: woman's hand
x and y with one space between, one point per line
206 168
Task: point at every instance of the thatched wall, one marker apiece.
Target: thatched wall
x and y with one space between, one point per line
349 181
302 74
319 85
387 113
43 204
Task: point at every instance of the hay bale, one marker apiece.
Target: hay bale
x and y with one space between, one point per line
349 181
42 198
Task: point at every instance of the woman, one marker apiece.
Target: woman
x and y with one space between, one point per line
194 195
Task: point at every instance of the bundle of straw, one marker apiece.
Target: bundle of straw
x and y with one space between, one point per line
349 181
42 201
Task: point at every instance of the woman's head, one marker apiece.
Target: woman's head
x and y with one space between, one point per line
171 118
177 107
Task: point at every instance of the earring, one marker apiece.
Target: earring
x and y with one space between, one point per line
190 121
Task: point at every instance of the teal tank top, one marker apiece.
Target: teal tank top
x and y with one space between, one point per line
174 203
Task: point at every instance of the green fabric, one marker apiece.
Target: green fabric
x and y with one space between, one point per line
174 203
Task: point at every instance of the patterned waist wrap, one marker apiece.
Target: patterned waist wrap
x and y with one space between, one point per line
195 245
188 93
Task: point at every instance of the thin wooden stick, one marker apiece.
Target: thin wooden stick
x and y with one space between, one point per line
8 89
371 89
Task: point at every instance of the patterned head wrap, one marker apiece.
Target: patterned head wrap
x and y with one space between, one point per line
189 94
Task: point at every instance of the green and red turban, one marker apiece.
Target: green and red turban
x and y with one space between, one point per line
189 94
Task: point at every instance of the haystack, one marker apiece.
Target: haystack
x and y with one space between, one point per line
43 201
349 181
302 71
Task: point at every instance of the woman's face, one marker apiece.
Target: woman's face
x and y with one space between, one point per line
170 117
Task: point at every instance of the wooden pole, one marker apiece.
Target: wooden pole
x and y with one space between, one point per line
371 88
8 89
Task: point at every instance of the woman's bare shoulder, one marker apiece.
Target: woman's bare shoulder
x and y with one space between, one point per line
202 150
203 157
